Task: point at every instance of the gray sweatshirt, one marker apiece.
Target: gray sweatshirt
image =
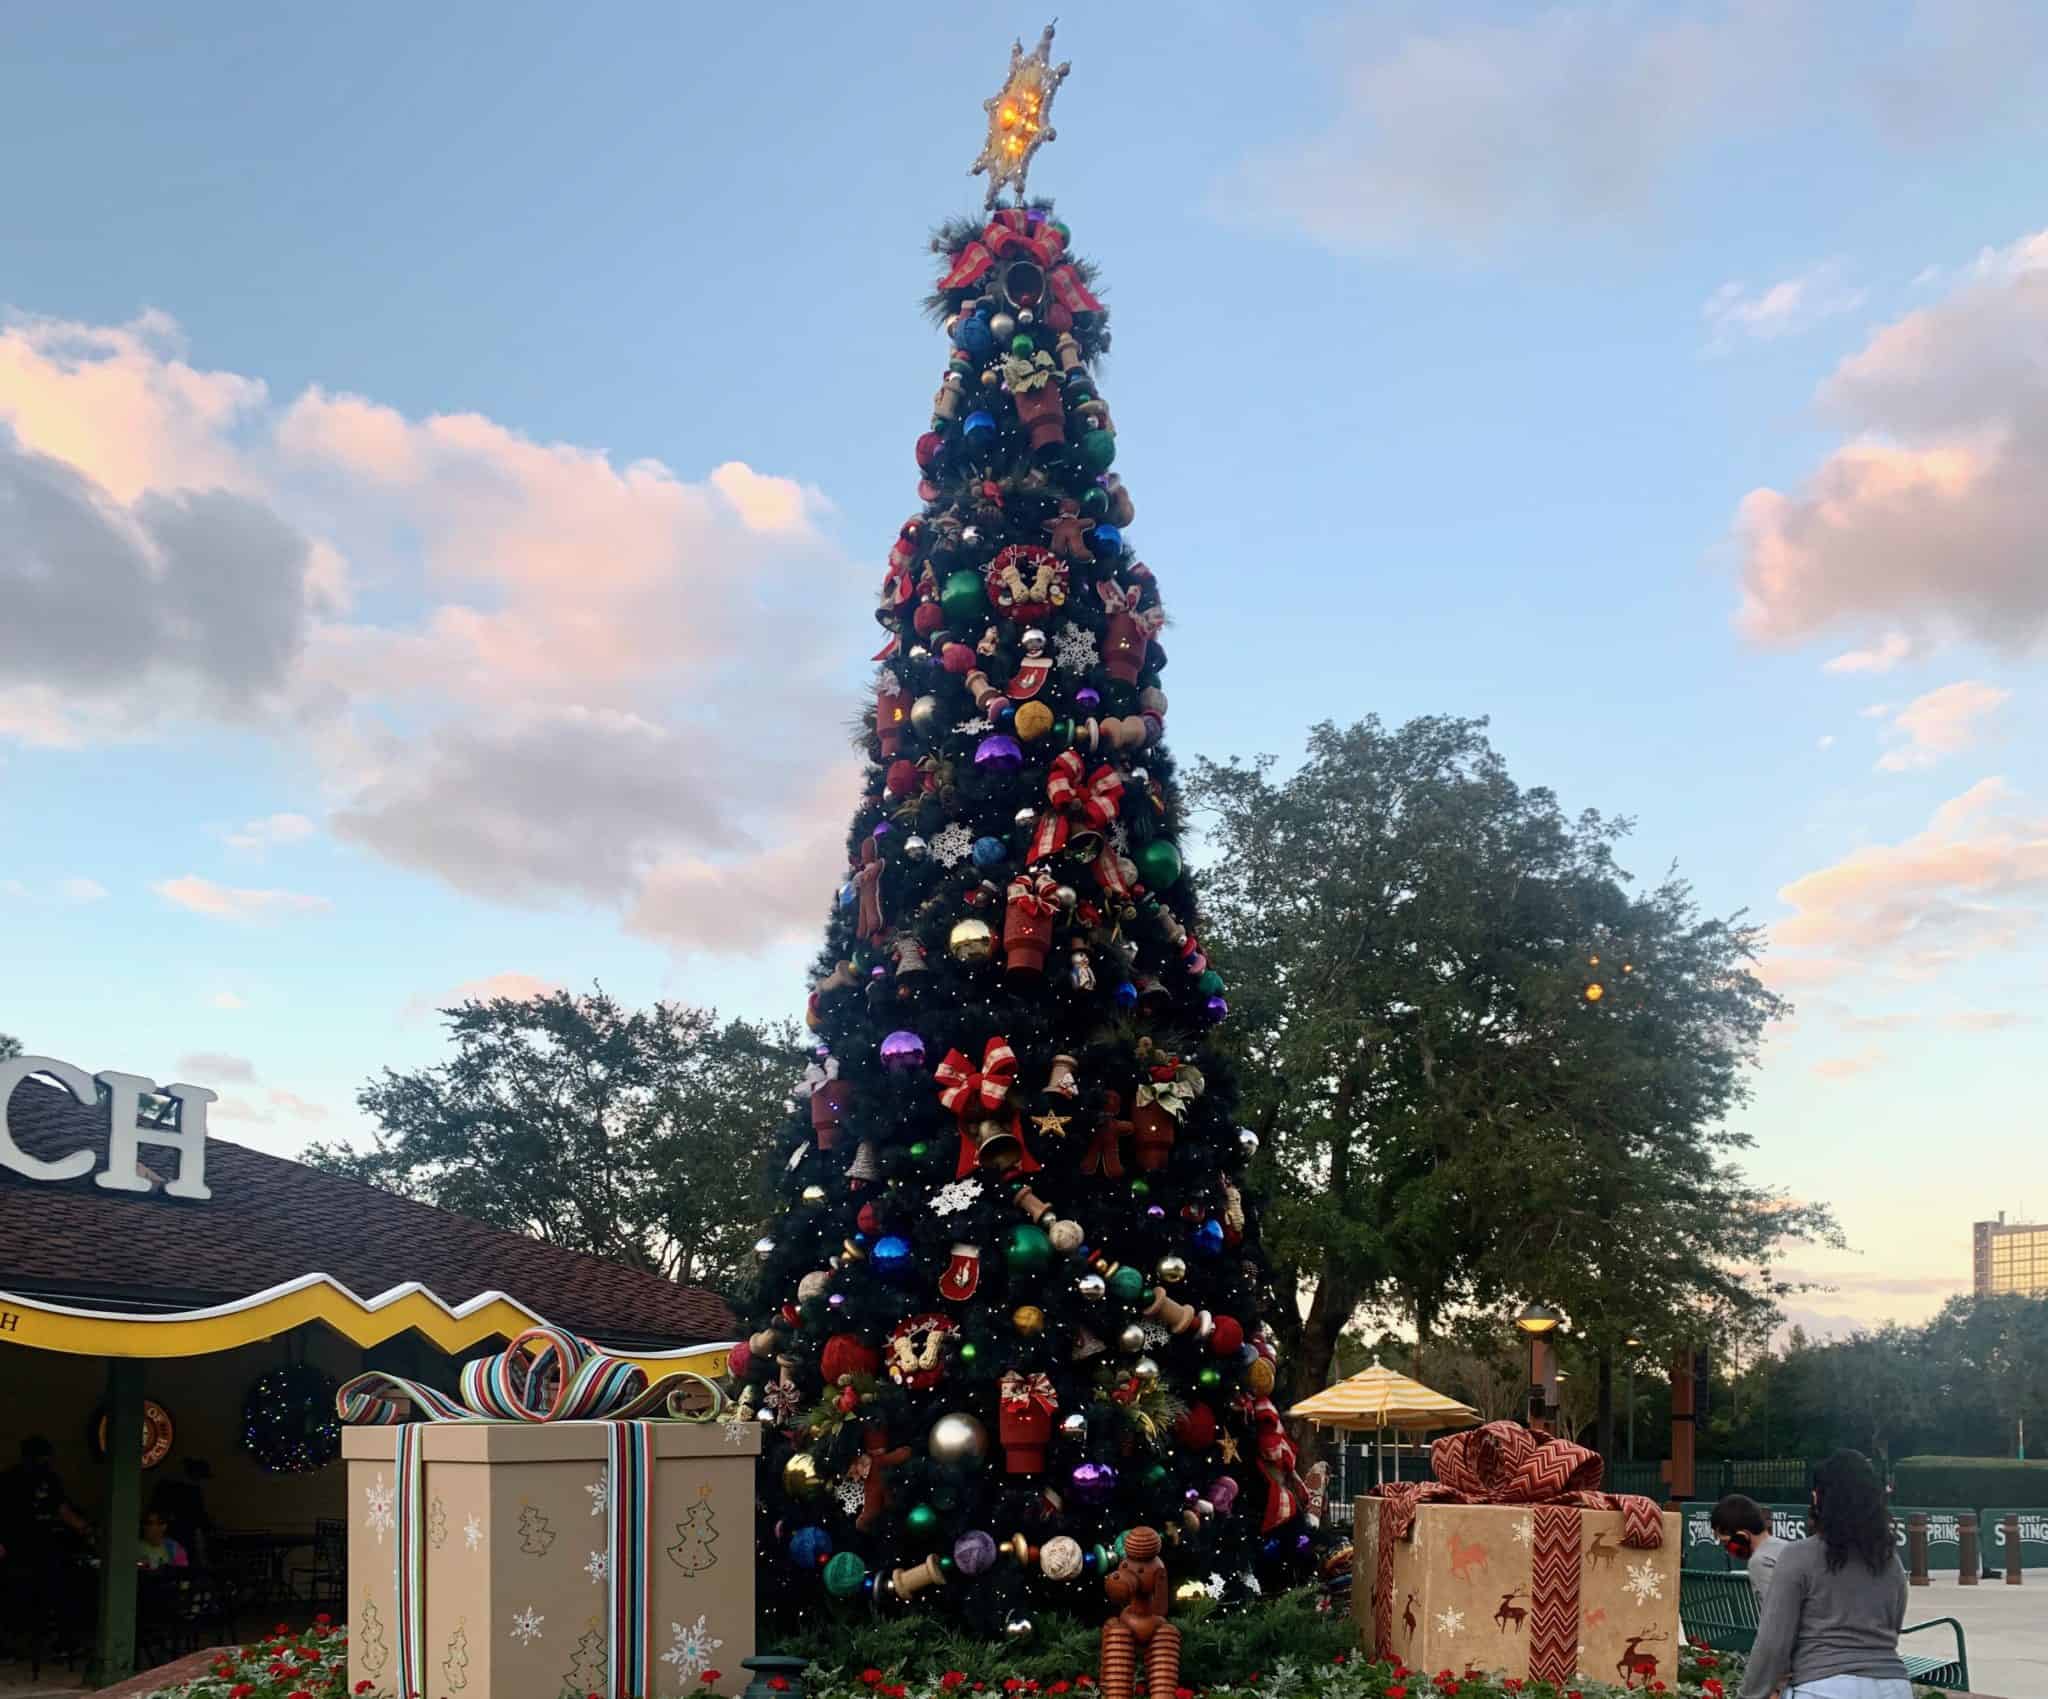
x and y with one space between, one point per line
1817 1623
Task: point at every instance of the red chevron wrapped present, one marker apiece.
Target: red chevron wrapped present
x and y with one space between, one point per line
1514 1560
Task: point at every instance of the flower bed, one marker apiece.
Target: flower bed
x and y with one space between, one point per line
304 1664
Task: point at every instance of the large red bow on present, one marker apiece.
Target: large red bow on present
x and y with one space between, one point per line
964 1091
1021 1391
1010 234
1092 801
1032 893
1504 1463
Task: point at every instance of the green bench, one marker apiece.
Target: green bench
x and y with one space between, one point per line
1720 1611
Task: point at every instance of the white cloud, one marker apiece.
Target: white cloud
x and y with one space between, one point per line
1941 723
224 902
1735 312
255 836
1850 1067
1926 520
1880 657
1496 135
1962 888
203 1067
1825 741
227 1000
79 889
274 1105
539 701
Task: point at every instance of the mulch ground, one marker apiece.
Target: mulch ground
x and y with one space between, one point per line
167 1675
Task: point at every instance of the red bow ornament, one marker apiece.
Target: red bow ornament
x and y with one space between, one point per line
1028 913
1130 630
970 1093
1089 804
1009 235
1024 1420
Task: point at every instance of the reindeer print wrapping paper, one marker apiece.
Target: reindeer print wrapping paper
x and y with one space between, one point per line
1544 1591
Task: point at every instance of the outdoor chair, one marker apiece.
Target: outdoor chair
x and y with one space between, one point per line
1720 1611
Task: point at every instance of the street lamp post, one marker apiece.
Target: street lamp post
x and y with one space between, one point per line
1632 1345
1537 1322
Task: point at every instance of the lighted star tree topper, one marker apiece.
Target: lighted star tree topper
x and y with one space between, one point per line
1019 116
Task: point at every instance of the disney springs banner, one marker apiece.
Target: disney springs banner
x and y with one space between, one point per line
1944 1535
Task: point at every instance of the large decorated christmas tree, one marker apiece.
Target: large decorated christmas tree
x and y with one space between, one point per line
1012 1306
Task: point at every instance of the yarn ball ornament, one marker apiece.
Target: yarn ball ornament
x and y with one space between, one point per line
1229 1335
1196 1427
1060 1558
974 1552
848 1354
810 1547
844 1575
289 1423
902 777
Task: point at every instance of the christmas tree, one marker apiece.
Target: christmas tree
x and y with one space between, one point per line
1011 1308
696 1534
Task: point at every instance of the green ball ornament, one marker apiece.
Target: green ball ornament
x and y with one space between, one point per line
1098 450
923 1522
1022 346
964 599
969 1352
1154 1477
919 1151
1210 1376
1029 1252
1095 502
1127 1285
1141 1187
1159 863
844 1574
1211 983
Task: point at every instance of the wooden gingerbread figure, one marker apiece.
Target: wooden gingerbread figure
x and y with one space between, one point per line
1139 1632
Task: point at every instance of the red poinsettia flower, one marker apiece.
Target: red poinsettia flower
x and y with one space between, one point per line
1449 1689
1513 1684
871 1677
1397 1692
241 1690
1059 1687
1709 1663
1338 1659
1183 1693
364 1686
299 1695
952 1679
895 1691
779 1682
1012 1683
1712 1688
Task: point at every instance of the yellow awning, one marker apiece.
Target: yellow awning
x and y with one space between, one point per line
1380 1398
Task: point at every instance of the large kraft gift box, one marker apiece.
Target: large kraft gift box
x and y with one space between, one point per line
526 1559
1547 1587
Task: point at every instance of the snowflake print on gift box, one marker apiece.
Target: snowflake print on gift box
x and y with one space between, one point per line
526 1626
1643 1582
1076 648
599 1566
596 1489
953 845
380 1514
1451 1621
955 1195
1524 1530
733 1424
690 1649
473 1534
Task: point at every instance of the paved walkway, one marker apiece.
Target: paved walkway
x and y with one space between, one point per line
2005 1629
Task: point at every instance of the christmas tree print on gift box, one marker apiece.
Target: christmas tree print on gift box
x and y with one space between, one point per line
1012 1304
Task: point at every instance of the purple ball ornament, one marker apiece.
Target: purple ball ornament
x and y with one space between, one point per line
902 1052
837 1300
882 829
999 754
974 1553
1216 1009
1093 1483
1087 699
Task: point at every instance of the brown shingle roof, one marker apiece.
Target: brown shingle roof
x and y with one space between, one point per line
271 1220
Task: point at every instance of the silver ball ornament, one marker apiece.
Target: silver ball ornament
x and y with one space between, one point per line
1026 316
915 848
1092 1287
1002 326
1066 896
764 1247
1247 1141
1017 1628
1025 817
1073 1425
1034 641
918 652
957 1438
1146 1371
970 534
924 716
1131 1341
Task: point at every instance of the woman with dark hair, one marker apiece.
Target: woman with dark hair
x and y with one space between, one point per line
1831 1619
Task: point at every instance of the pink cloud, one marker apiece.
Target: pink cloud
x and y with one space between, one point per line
1849 1067
1881 657
224 902
1943 722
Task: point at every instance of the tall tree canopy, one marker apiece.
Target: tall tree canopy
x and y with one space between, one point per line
631 1134
1484 1068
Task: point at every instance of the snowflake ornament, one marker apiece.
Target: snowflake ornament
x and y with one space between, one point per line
852 1496
973 727
599 1566
1214 1585
1450 1621
956 1195
1155 1335
1120 837
1076 649
526 1626
597 1490
952 845
473 1533
1643 1582
1251 1585
380 1515
690 1649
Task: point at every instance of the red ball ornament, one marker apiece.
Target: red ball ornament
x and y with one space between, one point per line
928 618
929 447
848 1354
867 1220
1228 1337
1196 1427
958 659
739 1360
902 778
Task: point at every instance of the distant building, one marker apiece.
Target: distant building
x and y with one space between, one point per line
2010 1259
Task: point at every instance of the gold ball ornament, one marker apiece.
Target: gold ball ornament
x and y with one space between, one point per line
1146 1371
971 941
1132 1340
800 1477
1259 1377
1028 1320
812 1197
959 1438
1034 720
1189 1591
1173 1269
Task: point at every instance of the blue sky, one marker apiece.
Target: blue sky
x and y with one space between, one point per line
450 454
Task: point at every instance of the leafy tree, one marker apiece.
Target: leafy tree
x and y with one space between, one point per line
631 1134
1452 1117
10 1047
1998 1347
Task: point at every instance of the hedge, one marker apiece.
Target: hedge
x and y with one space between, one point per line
1975 1481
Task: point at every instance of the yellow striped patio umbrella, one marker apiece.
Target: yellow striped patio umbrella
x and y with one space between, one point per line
1378 1398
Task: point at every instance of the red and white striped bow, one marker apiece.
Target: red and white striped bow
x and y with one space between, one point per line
964 1091
1092 802
1021 1391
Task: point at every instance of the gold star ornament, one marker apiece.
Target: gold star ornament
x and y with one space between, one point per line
1019 117
1226 1442
1051 1125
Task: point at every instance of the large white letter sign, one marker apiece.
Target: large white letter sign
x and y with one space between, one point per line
121 1096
